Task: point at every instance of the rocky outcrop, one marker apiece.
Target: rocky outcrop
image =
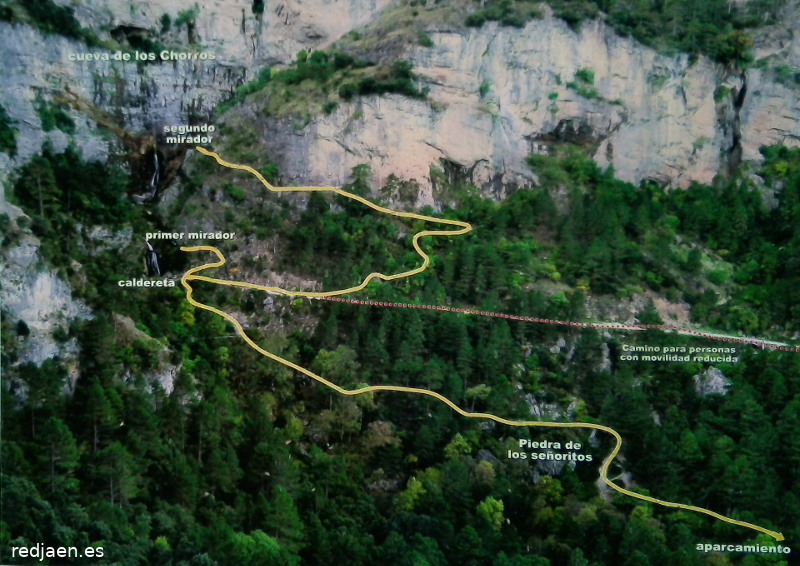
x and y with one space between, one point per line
770 115
711 382
36 296
771 109
163 372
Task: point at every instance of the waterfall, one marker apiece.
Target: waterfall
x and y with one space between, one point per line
151 259
154 180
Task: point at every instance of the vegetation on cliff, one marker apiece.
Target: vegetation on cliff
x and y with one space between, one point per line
318 80
719 29
8 133
50 18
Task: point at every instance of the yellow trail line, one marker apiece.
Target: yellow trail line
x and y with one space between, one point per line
464 227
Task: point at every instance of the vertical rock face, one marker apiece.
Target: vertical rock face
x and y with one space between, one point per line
771 111
243 32
146 96
140 96
641 113
770 114
36 296
498 94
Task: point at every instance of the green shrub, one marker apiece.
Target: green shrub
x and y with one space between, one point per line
336 72
263 77
503 11
425 40
50 18
484 89
234 193
694 261
657 81
584 79
343 61
721 93
54 116
316 66
270 172
786 75
399 80
166 23
8 133
261 80
187 17
348 90
536 13
476 19
585 91
574 12
585 76
718 276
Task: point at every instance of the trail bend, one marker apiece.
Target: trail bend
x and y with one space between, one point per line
461 228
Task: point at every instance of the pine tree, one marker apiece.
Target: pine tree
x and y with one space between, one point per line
59 456
94 413
118 470
284 522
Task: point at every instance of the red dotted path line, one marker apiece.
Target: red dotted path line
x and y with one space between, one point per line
598 325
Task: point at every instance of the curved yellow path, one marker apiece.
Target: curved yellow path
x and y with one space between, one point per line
463 228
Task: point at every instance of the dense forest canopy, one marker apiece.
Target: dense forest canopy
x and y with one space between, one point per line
245 462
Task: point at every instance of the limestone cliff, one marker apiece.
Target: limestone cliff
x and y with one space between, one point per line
35 295
144 97
498 94
239 33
